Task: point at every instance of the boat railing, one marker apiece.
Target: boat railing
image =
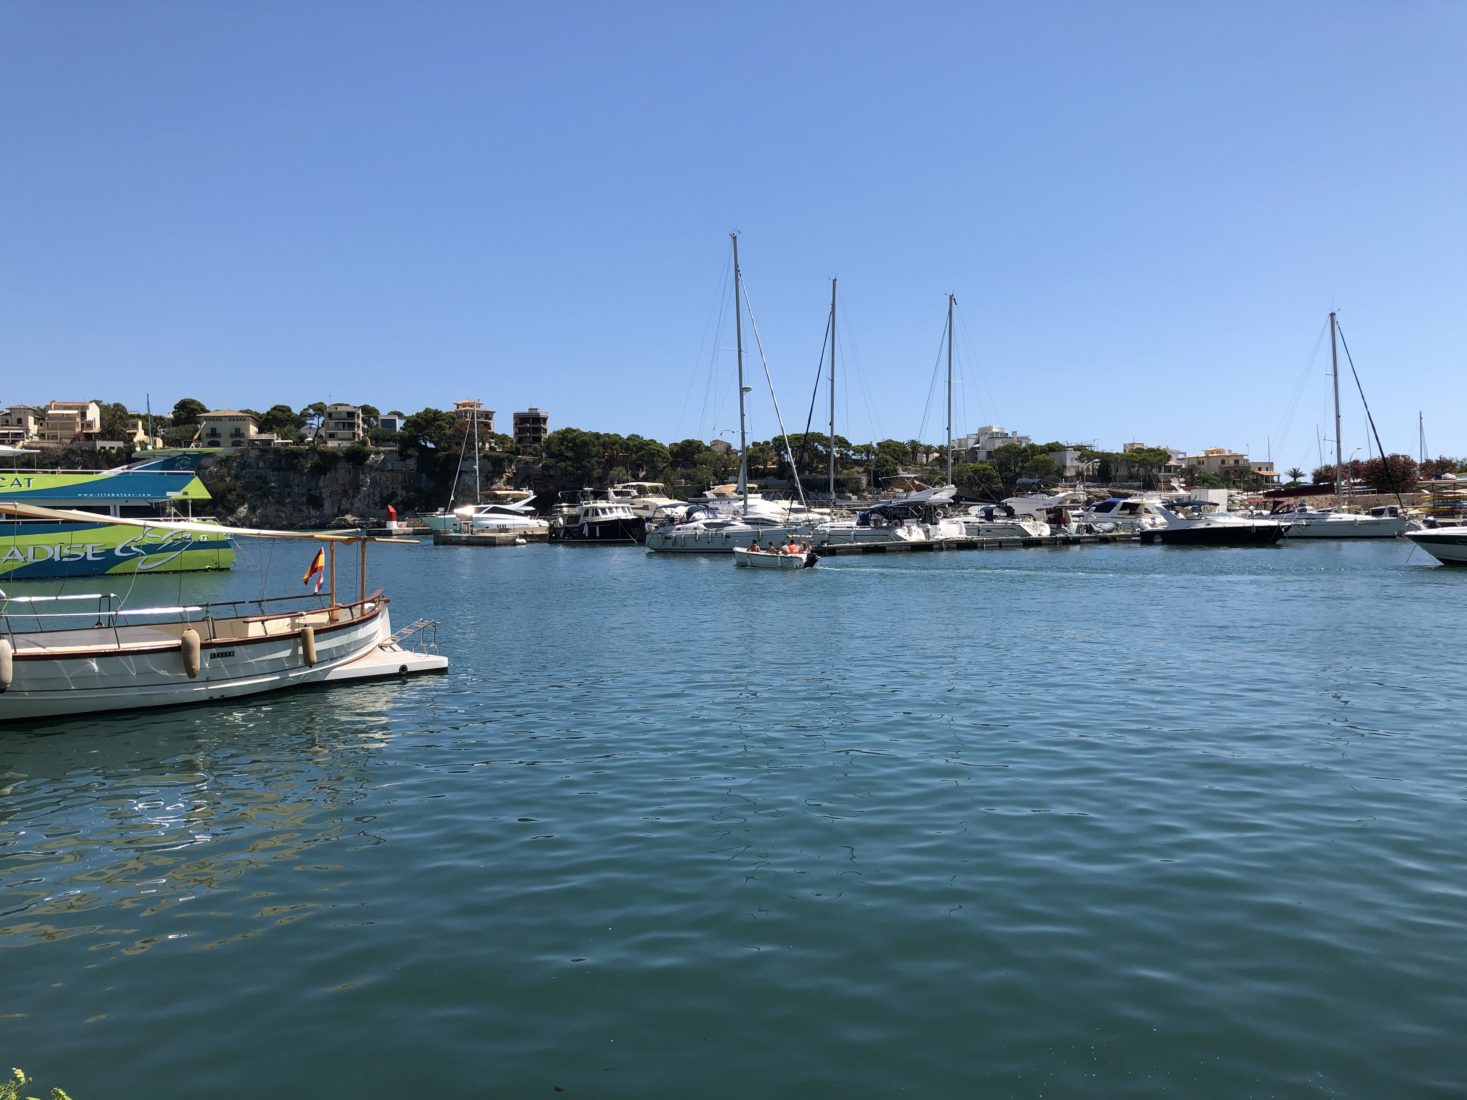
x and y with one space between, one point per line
104 610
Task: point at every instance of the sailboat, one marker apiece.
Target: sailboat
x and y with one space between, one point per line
718 527
919 514
512 511
74 654
1336 523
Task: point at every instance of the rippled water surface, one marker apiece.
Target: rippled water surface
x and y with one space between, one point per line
1098 821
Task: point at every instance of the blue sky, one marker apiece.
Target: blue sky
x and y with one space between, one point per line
1145 210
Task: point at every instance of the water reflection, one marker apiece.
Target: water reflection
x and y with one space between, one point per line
143 813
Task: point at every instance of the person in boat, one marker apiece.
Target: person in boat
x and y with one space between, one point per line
754 546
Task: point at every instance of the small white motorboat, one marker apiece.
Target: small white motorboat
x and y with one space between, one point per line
777 559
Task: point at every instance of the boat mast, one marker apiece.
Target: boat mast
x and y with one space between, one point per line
1334 359
950 301
739 344
832 391
477 497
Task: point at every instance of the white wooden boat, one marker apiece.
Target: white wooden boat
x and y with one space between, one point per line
85 654
764 559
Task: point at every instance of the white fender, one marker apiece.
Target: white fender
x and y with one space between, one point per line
7 663
308 645
189 646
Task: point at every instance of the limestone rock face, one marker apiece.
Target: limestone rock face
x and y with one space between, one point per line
296 487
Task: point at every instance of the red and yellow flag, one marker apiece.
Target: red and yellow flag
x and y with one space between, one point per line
317 569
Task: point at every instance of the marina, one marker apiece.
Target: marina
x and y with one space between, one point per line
702 862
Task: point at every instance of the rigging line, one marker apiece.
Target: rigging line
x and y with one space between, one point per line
1385 462
815 393
779 419
932 383
713 318
1285 425
982 376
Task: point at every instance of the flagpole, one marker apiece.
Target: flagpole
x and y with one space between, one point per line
332 570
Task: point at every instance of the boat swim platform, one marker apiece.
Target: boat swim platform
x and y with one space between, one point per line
835 549
383 662
488 538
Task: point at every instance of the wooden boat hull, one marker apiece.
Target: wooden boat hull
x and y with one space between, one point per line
131 668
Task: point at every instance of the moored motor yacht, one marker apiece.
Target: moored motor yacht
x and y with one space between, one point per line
1305 522
508 511
1189 523
891 522
1000 521
597 517
1122 515
1447 545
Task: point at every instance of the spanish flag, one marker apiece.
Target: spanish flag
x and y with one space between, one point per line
317 569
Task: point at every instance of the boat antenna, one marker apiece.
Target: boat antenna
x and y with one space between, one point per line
950 301
739 344
832 393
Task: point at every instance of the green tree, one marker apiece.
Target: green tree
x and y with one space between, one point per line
117 422
1147 461
370 416
646 458
1199 478
1041 467
282 421
686 454
1009 461
1293 473
573 458
186 412
979 478
430 431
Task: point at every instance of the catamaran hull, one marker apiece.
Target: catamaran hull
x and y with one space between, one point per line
45 549
60 680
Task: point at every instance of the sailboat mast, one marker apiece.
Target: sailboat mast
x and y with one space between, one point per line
1334 360
950 301
739 343
476 452
832 390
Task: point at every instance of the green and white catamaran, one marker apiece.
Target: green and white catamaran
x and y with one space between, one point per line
159 488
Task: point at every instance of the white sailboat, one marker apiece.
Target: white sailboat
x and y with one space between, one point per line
718 528
1336 523
87 653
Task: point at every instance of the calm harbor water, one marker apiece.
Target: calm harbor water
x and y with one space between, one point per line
1142 821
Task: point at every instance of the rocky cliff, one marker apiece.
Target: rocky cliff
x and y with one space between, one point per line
298 487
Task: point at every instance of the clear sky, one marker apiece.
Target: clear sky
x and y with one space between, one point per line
1146 210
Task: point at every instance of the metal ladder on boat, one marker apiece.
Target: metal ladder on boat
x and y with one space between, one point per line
426 631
